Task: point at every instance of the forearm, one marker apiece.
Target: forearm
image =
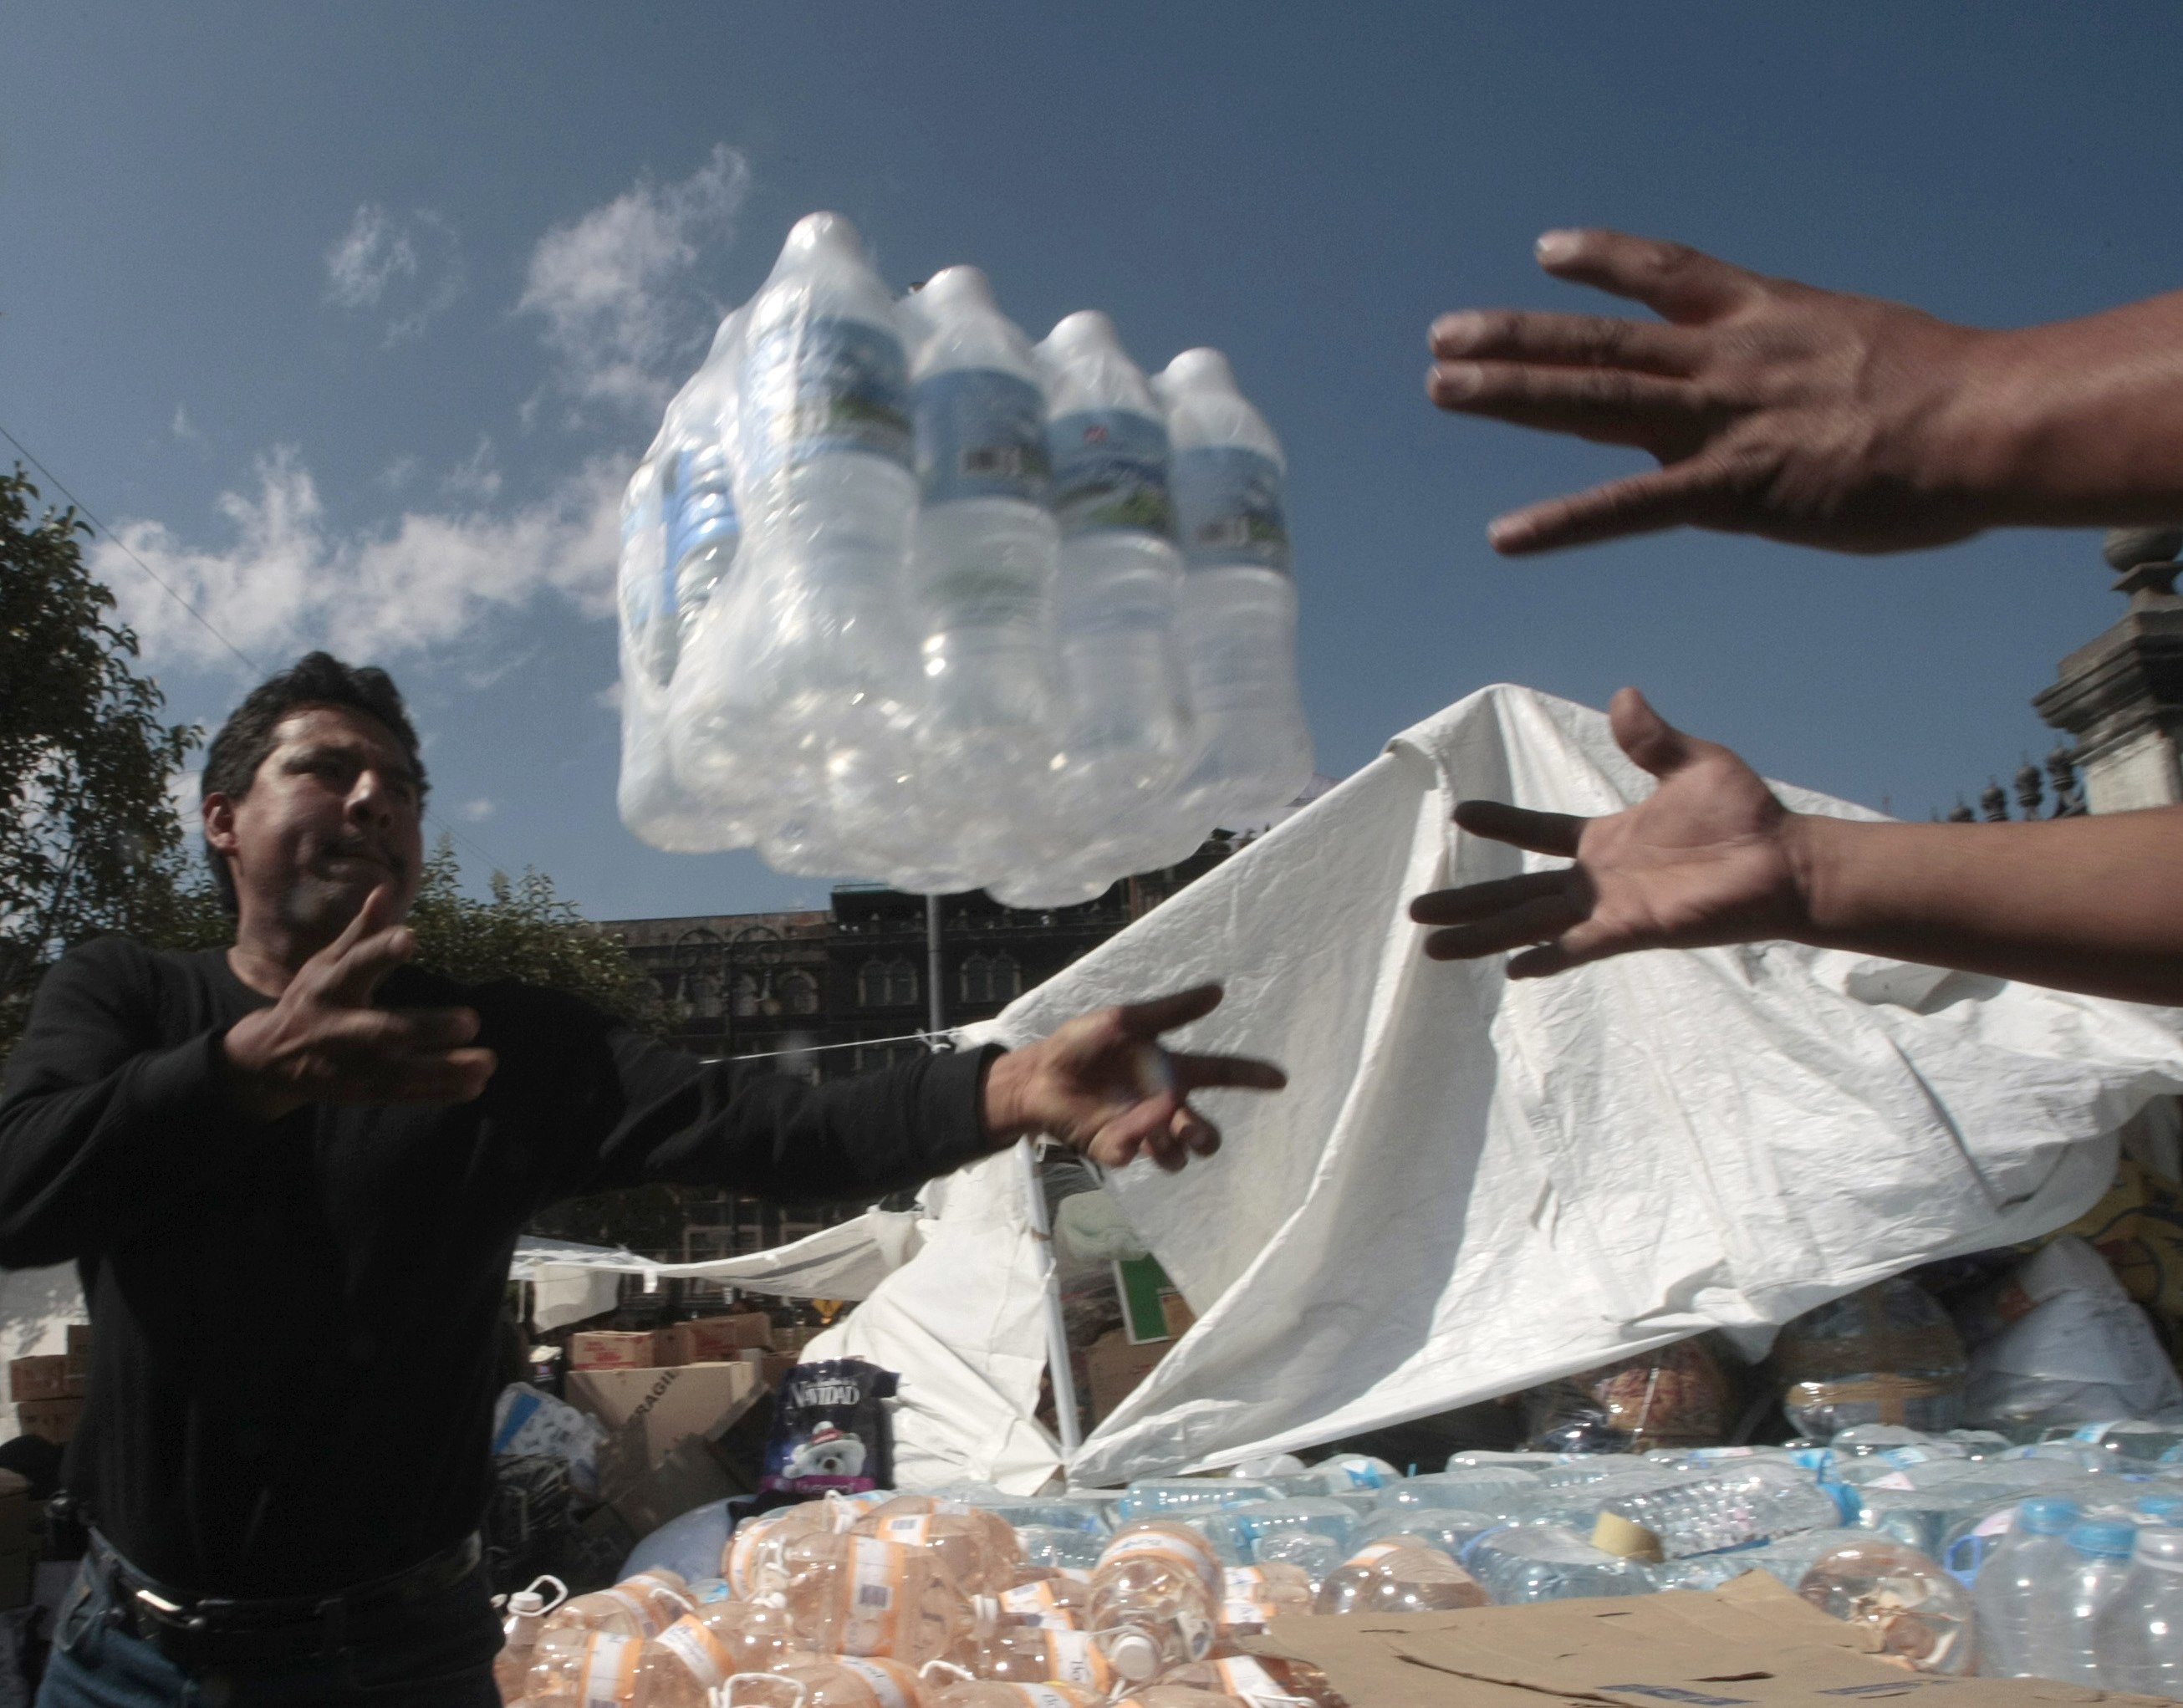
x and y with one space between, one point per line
86 1166
2092 904
776 1136
2079 423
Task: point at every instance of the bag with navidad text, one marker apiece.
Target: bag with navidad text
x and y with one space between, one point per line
831 1429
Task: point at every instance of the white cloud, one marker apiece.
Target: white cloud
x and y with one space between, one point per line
291 581
475 812
183 428
618 287
476 480
411 268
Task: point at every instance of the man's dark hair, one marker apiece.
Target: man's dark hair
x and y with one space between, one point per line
317 679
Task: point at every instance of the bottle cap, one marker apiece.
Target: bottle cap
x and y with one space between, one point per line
2048 1517
2114 1540
1134 1655
1614 1534
526 1601
1205 366
955 287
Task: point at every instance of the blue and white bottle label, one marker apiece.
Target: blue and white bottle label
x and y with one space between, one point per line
1228 508
981 434
816 387
1110 472
702 509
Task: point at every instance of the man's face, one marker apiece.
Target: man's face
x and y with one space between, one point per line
334 813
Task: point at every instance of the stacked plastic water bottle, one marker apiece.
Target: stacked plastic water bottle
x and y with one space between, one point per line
2059 1558
905 596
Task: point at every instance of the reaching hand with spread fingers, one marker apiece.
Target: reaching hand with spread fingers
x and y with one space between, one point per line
1818 417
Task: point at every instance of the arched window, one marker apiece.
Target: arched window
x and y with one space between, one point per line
799 993
887 984
745 998
977 979
1007 978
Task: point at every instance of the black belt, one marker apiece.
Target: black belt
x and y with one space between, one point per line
202 1630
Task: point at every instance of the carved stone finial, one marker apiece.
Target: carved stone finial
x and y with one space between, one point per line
1961 814
1993 803
2031 789
2126 548
2144 559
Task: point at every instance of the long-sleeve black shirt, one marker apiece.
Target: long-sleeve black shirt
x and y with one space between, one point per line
293 1322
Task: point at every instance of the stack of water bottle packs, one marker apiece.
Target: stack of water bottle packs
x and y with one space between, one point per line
903 596
2061 1558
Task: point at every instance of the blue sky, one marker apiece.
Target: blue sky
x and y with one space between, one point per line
352 319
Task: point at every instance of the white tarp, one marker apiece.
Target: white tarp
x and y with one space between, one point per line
847 1260
1473 1186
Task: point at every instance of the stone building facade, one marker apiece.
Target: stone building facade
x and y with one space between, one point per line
824 994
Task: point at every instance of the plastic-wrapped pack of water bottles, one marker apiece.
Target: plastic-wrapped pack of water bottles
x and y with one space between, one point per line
903 595
2060 1559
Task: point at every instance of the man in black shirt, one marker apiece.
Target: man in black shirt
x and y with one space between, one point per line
292 1174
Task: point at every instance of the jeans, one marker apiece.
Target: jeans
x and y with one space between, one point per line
440 1656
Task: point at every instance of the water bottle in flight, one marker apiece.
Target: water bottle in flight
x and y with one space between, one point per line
1237 621
2022 1593
982 563
824 669
1127 730
2141 1630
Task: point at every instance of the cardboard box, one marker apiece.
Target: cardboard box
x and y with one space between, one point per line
775 1366
715 1339
1113 1365
607 1349
79 1356
656 1464
54 1419
45 1376
1751 1644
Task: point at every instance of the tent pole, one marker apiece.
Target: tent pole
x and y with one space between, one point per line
937 1007
1057 1330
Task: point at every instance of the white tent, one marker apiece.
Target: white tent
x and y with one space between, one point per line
1473 1186
1470 1185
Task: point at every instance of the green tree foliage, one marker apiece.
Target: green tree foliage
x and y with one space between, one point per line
527 931
88 839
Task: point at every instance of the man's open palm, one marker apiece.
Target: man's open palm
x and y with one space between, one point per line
1706 859
1102 1084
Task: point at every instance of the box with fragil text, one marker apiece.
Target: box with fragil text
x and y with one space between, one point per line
657 1462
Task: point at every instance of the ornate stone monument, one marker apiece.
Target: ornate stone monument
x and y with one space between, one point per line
2121 695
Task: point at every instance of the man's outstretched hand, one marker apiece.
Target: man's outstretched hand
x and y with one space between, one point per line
1773 408
1710 856
1102 1084
323 1042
